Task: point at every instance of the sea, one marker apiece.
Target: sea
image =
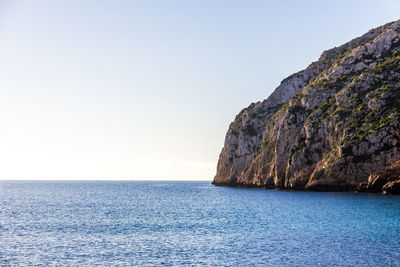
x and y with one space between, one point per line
158 223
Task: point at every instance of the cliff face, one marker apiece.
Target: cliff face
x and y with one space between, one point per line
328 127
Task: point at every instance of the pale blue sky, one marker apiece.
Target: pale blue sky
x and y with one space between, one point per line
147 89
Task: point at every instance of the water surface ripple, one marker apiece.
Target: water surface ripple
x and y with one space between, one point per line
193 223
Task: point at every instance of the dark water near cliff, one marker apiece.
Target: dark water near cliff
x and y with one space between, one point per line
193 223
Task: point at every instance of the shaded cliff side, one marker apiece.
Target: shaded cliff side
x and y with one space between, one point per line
328 127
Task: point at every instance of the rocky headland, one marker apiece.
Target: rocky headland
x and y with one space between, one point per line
331 127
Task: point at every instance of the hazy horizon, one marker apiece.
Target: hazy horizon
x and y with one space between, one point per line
146 90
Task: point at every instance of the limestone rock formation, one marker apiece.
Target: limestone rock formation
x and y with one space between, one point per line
328 127
386 181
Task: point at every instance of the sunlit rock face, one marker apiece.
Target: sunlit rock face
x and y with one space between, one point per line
328 127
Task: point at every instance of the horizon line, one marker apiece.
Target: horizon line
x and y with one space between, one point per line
107 180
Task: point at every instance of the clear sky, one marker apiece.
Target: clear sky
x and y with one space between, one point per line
146 89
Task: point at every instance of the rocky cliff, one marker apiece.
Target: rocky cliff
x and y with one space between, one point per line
332 126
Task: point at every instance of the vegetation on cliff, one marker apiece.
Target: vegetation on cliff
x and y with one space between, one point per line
331 126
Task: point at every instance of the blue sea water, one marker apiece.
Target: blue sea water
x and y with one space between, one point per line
193 223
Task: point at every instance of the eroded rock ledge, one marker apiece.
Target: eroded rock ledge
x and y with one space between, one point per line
331 127
386 181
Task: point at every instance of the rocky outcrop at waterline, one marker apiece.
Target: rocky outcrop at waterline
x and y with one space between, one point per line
329 127
386 181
